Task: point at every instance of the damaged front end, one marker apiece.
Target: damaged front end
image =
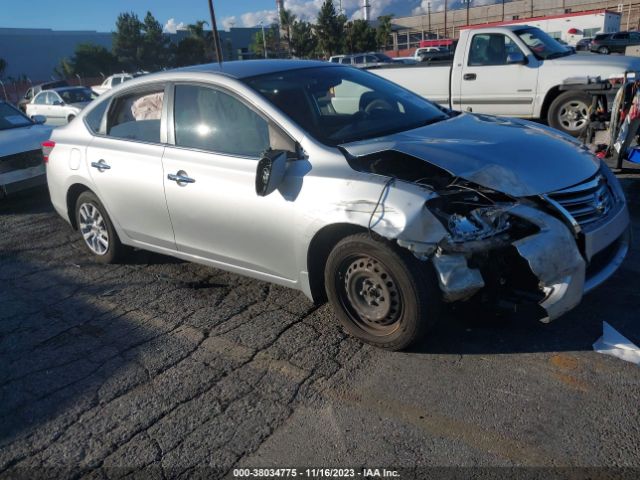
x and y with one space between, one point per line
506 250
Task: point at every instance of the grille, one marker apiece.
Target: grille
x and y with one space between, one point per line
19 161
587 202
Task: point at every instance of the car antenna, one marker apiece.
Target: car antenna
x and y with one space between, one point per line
215 35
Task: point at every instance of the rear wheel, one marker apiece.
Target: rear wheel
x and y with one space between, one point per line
569 112
381 295
96 229
603 51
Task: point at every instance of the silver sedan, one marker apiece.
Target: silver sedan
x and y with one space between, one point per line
336 182
60 105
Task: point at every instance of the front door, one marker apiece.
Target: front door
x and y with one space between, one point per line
490 84
126 167
210 185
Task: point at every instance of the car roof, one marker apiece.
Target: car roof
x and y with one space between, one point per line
251 68
64 89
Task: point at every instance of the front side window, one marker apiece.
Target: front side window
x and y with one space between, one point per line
491 49
136 116
116 81
212 120
338 105
12 117
541 44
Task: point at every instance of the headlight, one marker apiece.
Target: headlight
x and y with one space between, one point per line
478 224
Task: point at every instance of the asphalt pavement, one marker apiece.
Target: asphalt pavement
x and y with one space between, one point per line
173 369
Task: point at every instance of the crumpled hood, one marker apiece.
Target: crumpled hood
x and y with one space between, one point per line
18 140
515 157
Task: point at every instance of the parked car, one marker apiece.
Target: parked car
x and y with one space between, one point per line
336 182
60 105
514 71
363 60
33 91
110 82
584 44
21 164
614 42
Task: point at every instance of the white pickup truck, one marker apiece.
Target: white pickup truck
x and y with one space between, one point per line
513 71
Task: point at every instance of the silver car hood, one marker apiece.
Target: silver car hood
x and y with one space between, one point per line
515 157
23 139
619 62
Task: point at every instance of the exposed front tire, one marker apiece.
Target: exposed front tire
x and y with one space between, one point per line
569 113
98 234
381 295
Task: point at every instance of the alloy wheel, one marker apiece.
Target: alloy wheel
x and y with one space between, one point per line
93 229
573 115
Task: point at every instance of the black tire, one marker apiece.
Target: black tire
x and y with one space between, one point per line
405 296
70 118
559 111
603 51
114 250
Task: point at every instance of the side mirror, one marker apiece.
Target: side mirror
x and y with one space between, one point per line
270 171
39 119
515 57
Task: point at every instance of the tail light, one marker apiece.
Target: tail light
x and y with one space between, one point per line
47 147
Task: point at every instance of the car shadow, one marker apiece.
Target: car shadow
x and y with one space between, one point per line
33 200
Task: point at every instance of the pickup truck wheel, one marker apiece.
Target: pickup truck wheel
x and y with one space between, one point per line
97 231
569 113
603 51
381 295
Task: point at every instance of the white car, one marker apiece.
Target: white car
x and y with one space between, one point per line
110 82
21 161
60 105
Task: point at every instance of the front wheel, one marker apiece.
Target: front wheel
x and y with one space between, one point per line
96 229
569 113
381 295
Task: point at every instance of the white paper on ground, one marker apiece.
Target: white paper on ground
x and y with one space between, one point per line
615 344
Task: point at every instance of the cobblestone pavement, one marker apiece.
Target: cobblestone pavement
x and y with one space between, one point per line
169 366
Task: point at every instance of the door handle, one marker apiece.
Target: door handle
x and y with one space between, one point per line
101 165
180 178
469 76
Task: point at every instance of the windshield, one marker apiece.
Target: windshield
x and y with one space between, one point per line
338 105
12 118
76 95
542 45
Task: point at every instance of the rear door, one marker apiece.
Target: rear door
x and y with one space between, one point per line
125 161
57 109
490 84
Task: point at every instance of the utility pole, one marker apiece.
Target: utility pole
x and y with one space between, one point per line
445 18
531 9
468 2
214 34
503 10
264 40
429 15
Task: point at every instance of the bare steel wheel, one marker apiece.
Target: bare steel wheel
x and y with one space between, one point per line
93 228
381 293
373 293
97 230
569 113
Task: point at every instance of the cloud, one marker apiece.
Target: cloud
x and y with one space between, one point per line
172 27
438 5
229 22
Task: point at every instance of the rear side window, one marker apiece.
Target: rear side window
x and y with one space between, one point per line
137 116
212 120
95 116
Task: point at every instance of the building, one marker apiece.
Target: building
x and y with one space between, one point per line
409 31
34 53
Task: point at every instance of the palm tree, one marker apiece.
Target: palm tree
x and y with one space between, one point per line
287 19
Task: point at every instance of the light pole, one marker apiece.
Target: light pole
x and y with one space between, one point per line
468 2
214 33
264 39
429 15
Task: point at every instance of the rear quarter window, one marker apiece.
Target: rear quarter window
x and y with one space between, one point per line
93 120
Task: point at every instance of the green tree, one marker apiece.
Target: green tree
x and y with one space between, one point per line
360 36
271 36
127 41
194 49
88 60
303 40
383 31
330 29
287 21
153 53
3 66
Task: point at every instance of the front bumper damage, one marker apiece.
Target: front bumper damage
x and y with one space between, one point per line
551 254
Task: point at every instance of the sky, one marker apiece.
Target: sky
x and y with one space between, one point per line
101 15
